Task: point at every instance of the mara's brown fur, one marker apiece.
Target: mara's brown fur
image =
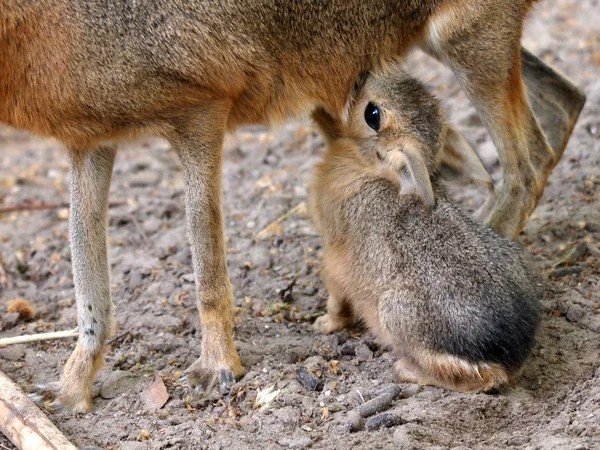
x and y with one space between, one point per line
90 73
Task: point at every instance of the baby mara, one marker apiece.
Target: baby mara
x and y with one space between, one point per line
452 298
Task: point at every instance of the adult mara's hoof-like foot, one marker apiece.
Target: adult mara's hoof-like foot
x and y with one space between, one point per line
74 391
517 198
204 377
54 398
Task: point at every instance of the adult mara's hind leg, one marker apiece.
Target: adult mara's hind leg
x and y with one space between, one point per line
91 173
481 43
197 138
556 101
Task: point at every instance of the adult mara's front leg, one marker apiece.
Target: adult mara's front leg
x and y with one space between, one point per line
91 172
197 138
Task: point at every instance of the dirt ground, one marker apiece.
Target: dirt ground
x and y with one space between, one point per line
556 404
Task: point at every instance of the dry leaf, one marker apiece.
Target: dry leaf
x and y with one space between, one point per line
188 406
334 367
144 435
63 214
264 182
302 209
273 229
155 396
265 397
23 307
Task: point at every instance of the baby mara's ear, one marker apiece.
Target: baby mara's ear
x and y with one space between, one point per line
459 162
414 176
330 128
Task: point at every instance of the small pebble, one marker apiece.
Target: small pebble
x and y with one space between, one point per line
309 380
117 382
403 439
347 350
363 352
517 441
188 278
565 271
575 313
10 320
354 422
298 440
580 251
342 337
12 353
132 445
372 345
144 179
592 227
66 302
431 394
573 254
386 420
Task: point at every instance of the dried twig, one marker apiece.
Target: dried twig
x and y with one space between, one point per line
265 231
38 337
24 424
265 397
285 295
362 399
140 230
39 206
118 336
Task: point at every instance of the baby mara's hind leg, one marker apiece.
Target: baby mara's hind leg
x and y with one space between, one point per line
451 372
401 318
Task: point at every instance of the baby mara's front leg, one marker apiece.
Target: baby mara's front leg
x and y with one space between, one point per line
339 315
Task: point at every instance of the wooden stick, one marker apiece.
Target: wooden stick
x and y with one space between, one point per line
25 424
38 206
299 207
39 337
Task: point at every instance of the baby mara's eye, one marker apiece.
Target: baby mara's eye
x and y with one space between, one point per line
373 116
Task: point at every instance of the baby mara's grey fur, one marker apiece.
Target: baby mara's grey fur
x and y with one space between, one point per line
453 298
